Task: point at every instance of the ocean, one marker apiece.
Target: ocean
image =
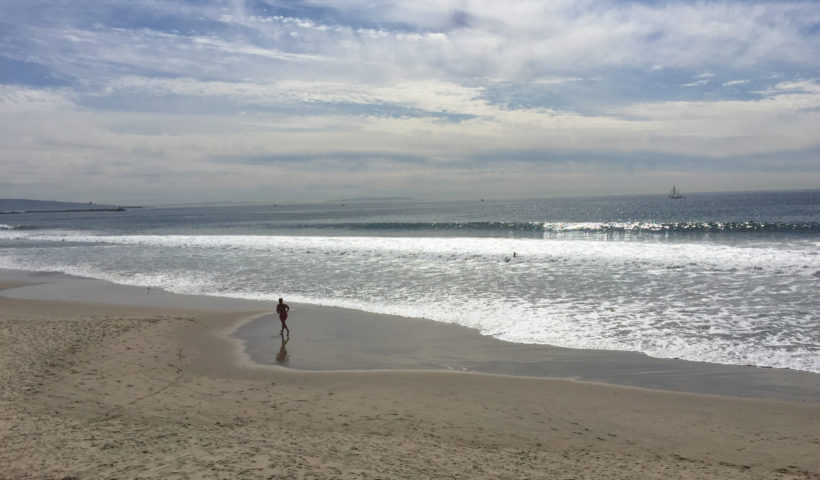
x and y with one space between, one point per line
727 278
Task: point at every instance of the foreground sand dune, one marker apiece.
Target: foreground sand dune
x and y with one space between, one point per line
100 391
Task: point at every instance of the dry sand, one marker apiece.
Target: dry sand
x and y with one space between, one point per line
100 391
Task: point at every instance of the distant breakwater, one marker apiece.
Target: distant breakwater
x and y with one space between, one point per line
115 209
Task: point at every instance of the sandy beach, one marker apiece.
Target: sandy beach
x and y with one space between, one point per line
145 386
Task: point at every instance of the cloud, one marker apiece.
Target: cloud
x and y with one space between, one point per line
417 39
702 79
697 83
241 92
15 99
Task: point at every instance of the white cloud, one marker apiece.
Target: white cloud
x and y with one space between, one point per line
783 120
697 83
595 80
16 99
497 40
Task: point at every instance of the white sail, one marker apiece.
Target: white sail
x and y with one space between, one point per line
675 193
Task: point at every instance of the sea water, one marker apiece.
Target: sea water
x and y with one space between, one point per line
725 278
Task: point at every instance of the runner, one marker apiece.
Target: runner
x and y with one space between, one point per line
282 309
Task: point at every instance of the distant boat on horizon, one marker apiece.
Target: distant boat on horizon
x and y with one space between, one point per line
675 193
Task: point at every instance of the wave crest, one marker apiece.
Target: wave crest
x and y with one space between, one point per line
600 227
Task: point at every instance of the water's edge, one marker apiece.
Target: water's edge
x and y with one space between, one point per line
333 338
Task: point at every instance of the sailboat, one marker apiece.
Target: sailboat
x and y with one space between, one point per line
675 193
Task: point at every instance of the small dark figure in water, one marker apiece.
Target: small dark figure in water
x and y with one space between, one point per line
282 309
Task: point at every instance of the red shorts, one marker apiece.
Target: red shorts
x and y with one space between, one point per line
283 317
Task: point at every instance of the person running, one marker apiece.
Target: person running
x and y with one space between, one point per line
282 309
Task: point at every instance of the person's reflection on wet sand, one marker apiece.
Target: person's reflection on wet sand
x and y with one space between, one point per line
282 357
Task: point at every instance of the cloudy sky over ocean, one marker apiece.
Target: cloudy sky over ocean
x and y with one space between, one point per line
162 101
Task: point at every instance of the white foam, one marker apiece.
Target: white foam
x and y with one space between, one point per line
662 254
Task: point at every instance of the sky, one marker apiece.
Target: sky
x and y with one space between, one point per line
180 101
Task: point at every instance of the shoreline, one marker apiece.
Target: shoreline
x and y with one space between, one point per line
338 339
96 390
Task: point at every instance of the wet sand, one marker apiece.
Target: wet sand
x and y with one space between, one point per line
147 389
338 339
341 339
